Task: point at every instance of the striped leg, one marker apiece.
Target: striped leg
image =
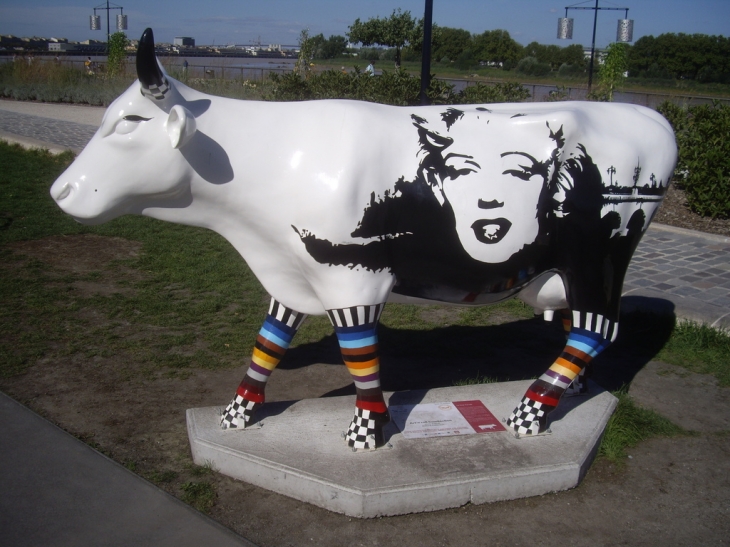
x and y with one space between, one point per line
589 335
356 330
276 334
579 385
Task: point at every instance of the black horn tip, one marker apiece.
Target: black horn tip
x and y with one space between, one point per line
147 37
148 72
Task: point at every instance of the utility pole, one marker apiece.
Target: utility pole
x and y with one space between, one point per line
426 51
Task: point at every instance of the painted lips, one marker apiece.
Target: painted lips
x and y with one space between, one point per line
491 230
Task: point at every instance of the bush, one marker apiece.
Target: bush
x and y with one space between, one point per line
657 73
530 66
560 93
395 88
507 92
571 71
703 167
49 82
117 53
466 60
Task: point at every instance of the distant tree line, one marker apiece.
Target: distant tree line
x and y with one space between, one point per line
682 56
669 56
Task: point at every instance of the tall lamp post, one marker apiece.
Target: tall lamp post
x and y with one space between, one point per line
624 32
426 51
95 20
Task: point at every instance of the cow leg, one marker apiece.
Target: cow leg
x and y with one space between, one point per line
356 330
589 335
579 385
276 334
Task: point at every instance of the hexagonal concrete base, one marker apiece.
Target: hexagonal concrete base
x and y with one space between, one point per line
299 452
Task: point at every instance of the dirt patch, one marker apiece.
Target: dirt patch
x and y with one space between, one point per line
692 401
671 491
440 315
79 254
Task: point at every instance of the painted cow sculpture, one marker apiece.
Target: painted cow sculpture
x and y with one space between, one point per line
340 206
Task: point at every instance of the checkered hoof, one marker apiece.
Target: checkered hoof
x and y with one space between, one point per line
239 413
366 429
529 418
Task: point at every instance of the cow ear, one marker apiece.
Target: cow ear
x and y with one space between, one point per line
180 126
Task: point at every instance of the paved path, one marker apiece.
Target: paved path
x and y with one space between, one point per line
52 126
57 491
675 270
687 269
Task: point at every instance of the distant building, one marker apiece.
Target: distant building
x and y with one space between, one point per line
184 41
61 46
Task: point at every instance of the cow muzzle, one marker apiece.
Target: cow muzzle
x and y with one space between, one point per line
68 196
61 192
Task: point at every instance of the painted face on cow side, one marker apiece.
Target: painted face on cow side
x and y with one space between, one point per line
496 206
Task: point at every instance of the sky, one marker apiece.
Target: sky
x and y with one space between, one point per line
243 22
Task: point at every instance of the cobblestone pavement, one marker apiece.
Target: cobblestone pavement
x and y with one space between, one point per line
62 134
682 270
690 269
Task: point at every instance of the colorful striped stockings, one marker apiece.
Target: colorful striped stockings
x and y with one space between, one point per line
276 334
589 335
356 330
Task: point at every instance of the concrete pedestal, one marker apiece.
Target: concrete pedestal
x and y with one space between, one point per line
299 452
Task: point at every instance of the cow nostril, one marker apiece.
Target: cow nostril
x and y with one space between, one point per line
65 191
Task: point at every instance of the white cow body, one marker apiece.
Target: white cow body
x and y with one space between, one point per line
340 206
252 170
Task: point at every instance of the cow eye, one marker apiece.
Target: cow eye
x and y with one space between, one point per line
129 123
137 119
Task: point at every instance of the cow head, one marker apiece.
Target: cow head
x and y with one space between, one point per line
135 160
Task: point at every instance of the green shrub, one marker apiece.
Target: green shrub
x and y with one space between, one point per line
117 53
49 82
571 71
507 92
530 66
395 88
391 87
703 167
560 93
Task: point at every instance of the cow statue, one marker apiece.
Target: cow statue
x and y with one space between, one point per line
341 206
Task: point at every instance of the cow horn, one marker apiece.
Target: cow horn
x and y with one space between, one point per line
151 78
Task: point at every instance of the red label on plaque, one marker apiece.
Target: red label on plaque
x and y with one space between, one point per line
478 416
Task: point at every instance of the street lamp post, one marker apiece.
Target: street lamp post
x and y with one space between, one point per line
426 51
624 32
95 20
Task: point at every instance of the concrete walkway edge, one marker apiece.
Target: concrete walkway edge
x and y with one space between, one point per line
57 491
